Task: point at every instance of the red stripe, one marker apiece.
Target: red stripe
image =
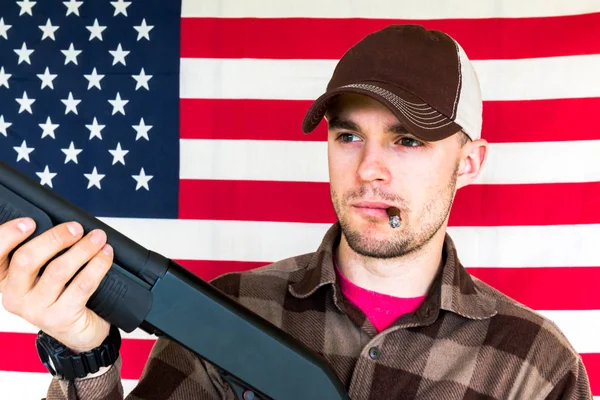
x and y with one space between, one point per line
535 287
592 366
556 288
19 355
503 121
309 202
311 38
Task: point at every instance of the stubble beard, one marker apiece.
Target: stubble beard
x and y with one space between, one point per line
408 239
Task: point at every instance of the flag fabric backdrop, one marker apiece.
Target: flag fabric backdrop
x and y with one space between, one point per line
179 125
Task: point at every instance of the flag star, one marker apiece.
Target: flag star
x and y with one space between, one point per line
120 7
142 80
94 79
119 55
142 130
70 104
4 28
26 6
47 79
24 54
118 154
96 30
143 30
94 178
95 129
71 54
71 153
118 104
25 103
48 30
46 176
48 128
73 7
4 77
23 151
142 180
4 126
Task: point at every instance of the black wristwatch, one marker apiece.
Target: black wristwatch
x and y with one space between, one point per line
64 364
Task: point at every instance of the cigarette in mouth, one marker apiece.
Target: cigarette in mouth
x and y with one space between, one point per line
394 215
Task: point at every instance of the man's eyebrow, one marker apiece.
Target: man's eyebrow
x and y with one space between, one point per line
398 129
338 123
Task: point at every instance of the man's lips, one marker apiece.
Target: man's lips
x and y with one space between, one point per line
374 209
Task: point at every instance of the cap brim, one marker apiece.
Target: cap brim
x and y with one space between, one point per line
418 117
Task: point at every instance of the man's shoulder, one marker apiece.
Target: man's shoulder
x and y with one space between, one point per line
526 333
268 278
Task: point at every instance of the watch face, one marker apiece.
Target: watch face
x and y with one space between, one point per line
45 356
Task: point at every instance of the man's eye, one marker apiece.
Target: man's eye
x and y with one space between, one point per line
410 142
348 137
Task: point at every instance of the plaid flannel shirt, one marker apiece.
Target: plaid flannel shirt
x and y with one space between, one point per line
466 341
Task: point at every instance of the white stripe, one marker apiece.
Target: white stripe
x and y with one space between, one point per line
31 385
393 9
525 79
270 160
518 246
581 327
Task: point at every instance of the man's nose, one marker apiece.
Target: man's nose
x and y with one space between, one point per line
373 164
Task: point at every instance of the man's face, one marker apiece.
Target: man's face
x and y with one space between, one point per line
374 163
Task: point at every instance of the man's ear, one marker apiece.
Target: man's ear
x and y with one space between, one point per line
472 159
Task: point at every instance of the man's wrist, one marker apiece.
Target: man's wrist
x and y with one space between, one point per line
100 372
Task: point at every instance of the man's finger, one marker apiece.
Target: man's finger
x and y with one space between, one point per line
79 291
61 270
29 258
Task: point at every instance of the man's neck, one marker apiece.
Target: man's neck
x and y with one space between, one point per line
407 276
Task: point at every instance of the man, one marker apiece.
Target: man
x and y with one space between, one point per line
390 307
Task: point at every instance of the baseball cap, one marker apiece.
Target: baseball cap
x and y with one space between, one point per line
423 76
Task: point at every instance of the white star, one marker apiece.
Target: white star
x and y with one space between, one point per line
94 79
4 125
142 80
120 7
94 179
119 55
142 130
73 6
142 180
47 79
48 30
48 128
96 30
71 153
118 154
143 30
4 28
24 54
25 103
23 151
70 104
118 104
46 176
71 54
4 77
95 129
26 6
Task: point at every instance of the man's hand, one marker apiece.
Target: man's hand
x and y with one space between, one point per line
45 301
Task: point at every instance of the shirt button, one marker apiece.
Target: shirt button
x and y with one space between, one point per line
374 353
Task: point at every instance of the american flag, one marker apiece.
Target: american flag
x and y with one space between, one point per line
179 124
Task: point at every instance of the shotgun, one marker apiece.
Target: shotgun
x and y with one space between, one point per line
146 290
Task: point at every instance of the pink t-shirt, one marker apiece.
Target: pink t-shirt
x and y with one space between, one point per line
381 309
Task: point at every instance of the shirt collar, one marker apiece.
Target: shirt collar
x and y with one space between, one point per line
453 289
